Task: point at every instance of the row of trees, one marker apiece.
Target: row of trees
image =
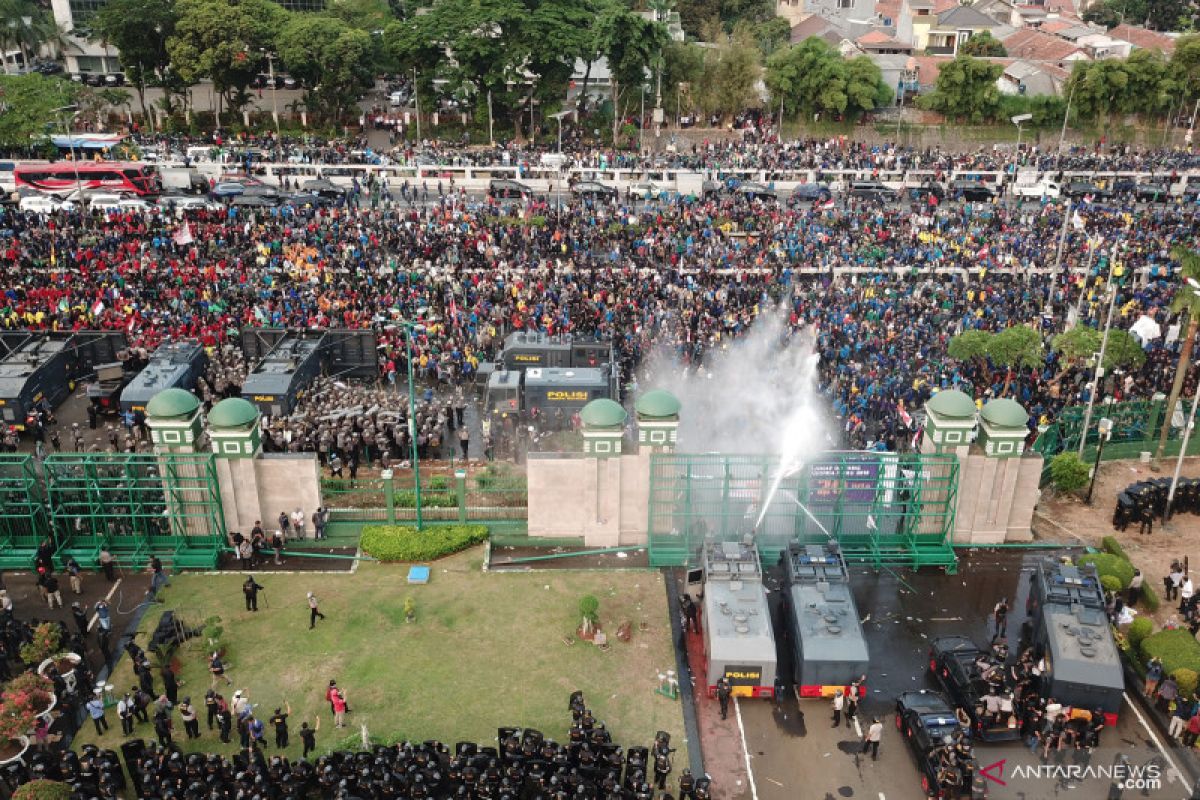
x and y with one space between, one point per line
173 44
1147 84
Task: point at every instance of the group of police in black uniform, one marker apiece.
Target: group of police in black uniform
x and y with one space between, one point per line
525 766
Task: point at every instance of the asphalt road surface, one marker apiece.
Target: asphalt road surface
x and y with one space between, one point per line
794 752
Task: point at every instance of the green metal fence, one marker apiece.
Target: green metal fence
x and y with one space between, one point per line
136 504
494 494
884 508
24 523
1135 430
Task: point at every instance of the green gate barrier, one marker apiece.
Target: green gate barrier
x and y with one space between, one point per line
885 509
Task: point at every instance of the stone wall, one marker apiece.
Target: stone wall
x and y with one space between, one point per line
605 501
259 488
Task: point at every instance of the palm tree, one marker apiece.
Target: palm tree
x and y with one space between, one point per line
1187 303
26 26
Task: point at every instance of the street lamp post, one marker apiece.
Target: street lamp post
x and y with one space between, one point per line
1105 426
412 420
1187 433
1098 371
1019 120
1062 134
274 98
71 143
417 103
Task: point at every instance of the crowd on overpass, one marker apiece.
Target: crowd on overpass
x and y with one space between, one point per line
883 286
765 153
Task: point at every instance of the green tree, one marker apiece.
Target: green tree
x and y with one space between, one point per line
983 45
731 69
1014 348
1106 14
683 66
966 90
630 43
1185 66
1139 84
27 107
1069 473
1187 303
1168 15
1082 343
26 26
969 345
139 30
224 41
331 59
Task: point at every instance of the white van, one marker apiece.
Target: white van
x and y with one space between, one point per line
1045 188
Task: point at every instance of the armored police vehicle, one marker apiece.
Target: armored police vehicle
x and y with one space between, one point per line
284 373
523 350
548 389
38 367
172 365
1071 631
738 639
829 648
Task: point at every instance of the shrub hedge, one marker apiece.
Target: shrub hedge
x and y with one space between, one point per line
408 499
1108 564
1110 583
1186 680
1110 545
1177 649
405 543
1149 597
1139 629
42 790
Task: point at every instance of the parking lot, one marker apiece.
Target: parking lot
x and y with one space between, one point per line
793 751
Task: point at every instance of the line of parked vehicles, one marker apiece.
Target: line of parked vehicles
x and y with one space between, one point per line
232 191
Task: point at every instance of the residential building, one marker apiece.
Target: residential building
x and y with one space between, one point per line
1142 39
1031 44
880 42
948 30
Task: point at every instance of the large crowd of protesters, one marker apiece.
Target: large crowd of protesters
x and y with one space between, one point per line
884 286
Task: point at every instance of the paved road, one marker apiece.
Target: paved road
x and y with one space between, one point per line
794 751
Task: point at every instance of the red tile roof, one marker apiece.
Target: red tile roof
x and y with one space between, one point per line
1140 37
1034 45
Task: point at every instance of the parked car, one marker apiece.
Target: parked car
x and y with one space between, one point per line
323 187
873 190
956 663
812 193
1077 189
594 190
1152 192
227 189
503 188
646 190
44 204
972 191
926 722
253 201
1042 188
712 189
184 203
755 190
302 199
926 190
1122 187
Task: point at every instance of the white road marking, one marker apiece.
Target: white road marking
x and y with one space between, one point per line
857 727
737 707
777 783
1154 738
107 597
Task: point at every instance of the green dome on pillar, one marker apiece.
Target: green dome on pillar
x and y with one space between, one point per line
173 417
233 412
657 404
172 404
233 428
603 427
603 413
952 404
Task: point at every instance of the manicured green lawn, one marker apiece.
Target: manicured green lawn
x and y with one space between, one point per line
486 650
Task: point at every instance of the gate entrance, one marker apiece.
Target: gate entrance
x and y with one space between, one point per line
885 509
136 505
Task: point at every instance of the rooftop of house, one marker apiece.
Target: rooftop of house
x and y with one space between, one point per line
1145 39
1034 45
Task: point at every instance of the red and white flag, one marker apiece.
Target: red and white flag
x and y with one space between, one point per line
183 234
905 417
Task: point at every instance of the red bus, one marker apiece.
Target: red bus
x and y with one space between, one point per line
64 177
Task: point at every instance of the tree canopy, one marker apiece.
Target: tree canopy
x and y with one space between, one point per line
811 78
966 90
983 45
28 106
